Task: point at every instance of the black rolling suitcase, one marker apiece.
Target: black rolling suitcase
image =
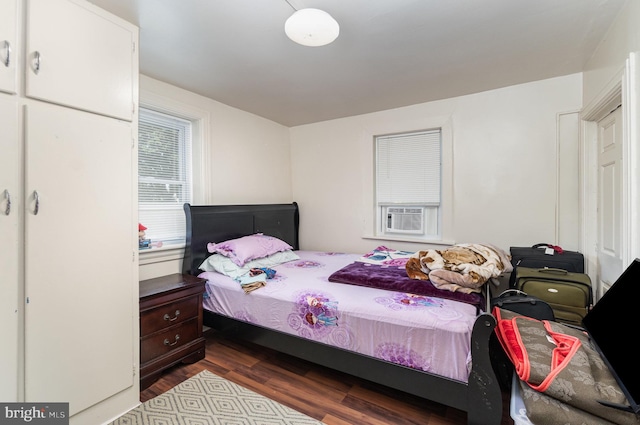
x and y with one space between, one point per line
522 303
544 255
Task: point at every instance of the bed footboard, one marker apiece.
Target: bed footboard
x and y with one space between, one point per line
485 396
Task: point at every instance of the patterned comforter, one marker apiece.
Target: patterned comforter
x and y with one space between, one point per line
461 267
418 331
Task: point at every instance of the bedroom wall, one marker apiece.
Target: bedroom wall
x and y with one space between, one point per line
247 161
608 61
505 174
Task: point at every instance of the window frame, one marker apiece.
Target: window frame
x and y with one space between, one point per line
391 199
372 212
200 120
166 165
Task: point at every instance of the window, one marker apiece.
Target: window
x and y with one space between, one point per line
409 184
164 175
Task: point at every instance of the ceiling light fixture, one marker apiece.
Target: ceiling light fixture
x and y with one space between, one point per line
311 27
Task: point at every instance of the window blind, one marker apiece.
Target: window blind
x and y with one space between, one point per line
408 168
164 175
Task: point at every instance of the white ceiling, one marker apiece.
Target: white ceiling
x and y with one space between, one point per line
390 53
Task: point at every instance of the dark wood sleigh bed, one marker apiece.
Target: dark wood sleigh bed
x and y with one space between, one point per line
480 397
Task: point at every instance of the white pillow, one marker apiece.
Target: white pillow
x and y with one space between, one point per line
225 265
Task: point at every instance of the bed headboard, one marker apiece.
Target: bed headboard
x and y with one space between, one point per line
217 223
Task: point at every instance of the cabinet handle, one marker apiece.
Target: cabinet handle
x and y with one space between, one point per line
7 196
36 197
171 344
7 46
171 319
36 66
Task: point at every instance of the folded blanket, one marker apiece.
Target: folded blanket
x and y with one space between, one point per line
461 267
395 279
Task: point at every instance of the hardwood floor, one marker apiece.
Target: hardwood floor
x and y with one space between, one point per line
324 394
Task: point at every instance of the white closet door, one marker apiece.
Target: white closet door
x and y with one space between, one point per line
77 57
10 192
8 45
78 257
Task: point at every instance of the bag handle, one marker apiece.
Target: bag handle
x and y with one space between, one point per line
556 248
511 292
552 270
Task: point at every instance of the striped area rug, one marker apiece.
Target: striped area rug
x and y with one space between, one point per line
207 399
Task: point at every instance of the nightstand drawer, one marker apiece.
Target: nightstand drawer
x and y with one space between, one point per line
172 338
168 315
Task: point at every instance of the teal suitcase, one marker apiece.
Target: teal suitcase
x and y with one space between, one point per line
569 294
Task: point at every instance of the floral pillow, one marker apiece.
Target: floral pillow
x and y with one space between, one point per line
248 248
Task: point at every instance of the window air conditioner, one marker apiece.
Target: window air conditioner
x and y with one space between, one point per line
405 220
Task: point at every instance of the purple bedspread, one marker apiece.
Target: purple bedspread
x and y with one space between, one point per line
396 279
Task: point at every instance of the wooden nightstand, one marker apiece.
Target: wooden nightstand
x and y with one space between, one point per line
170 324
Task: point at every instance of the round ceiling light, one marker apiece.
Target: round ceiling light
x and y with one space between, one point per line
311 27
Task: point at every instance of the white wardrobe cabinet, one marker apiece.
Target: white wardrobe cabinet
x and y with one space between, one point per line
8 45
78 57
68 210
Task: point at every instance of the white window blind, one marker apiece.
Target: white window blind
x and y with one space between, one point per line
408 168
164 175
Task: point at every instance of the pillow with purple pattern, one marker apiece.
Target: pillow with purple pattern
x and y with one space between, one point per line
247 248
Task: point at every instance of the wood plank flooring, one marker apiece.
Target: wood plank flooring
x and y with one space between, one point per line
324 394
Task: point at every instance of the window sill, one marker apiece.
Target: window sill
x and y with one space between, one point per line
409 239
161 254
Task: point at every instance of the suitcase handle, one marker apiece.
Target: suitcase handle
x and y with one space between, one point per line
556 248
511 292
552 270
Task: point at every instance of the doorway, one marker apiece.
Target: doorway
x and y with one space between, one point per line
611 179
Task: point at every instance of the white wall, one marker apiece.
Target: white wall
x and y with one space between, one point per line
504 151
504 167
247 161
608 61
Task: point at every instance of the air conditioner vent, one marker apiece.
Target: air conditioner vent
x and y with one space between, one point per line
405 220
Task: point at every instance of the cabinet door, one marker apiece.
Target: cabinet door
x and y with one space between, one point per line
9 237
79 56
79 247
8 45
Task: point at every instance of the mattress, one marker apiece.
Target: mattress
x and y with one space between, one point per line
421 332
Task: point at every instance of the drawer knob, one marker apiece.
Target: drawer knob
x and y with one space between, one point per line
171 344
171 319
